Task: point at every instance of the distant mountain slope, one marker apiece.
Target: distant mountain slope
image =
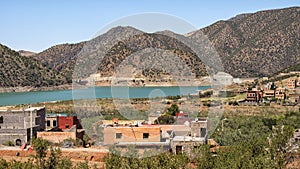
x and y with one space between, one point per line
258 44
253 44
61 58
128 47
17 70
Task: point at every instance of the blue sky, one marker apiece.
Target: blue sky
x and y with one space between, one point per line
36 25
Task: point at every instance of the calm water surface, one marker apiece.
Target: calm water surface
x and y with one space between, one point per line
97 92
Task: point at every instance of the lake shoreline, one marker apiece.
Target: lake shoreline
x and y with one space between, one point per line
16 98
70 87
33 89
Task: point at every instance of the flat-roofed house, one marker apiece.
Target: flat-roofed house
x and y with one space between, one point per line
269 94
280 94
128 134
198 136
19 126
291 84
253 96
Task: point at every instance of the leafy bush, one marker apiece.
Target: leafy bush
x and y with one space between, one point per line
9 143
165 119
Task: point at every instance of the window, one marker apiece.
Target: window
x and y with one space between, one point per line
178 149
1 119
197 147
67 126
145 135
54 123
203 132
18 142
48 123
118 135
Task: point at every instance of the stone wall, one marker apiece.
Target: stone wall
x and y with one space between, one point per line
56 137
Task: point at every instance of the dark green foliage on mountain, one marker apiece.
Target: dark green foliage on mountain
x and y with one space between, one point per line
16 70
293 68
258 44
61 58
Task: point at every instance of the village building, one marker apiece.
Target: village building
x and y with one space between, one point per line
51 121
129 134
62 121
20 126
269 94
116 121
291 84
198 136
280 94
253 96
175 138
60 127
57 135
294 97
67 122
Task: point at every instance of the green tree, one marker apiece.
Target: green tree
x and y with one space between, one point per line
172 110
165 119
41 147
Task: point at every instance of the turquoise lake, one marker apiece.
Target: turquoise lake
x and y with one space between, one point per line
16 98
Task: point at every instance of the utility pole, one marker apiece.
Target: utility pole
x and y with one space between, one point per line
31 130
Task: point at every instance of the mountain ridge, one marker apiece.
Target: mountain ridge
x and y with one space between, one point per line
234 38
253 44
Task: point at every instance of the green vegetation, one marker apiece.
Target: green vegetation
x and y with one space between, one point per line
131 161
255 152
19 71
206 94
165 119
239 128
40 161
173 97
246 142
9 143
172 110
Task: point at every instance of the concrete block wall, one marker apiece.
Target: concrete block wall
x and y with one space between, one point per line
16 124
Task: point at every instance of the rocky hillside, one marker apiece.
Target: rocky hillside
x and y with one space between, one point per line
152 65
258 44
253 44
61 58
17 70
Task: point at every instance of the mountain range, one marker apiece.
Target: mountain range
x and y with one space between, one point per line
249 45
